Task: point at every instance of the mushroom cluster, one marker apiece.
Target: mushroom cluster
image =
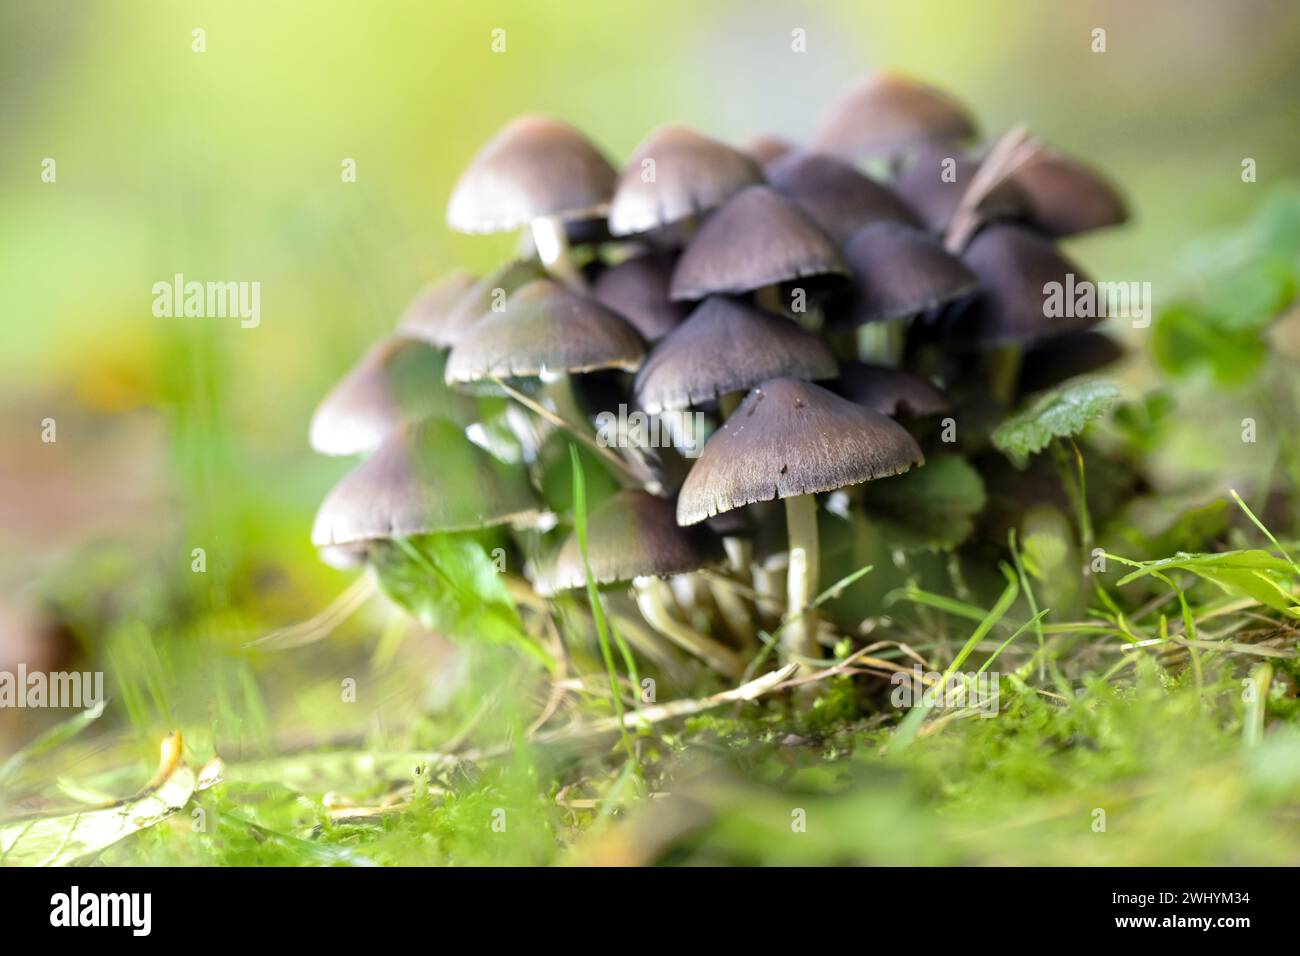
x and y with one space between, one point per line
812 311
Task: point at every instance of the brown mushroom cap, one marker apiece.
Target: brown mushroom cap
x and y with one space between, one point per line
692 174
886 114
399 380
429 316
637 289
890 391
426 477
766 147
1067 197
791 438
535 167
544 329
630 535
1014 264
836 195
757 238
900 271
726 346
934 193
1063 357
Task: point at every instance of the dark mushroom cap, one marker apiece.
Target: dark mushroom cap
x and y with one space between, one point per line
726 346
1063 357
426 477
399 380
765 147
900 271
791 438
926 189
886 114
536 166
692 174
483 295
835 195
637 289
757 238
428 317
629 535
544 329
1067 197
890 391
1014 264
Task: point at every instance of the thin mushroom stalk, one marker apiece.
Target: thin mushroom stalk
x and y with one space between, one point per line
800 637
552 245
653 602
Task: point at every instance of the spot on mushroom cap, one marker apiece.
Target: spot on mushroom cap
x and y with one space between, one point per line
426 477
835 194
757 238
398 380
900 271
791 438
886 114
629 535
536 166
544 328
727 346
692 174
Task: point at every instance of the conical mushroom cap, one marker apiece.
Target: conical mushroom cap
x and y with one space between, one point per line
890 391
544 329
726 346
536 166
791 438
766 147
757 238
887 114
437 318
935 181
429 316
835 195
629 535
900 271
692 174
1063 357
637 289
1067 197
426 477
399 380
1014 266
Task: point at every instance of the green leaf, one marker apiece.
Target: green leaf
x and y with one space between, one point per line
1061 413
1256 574
450 585
1191 338
930 507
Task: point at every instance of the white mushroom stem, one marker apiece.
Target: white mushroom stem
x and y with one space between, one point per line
800 635
552 246
652 600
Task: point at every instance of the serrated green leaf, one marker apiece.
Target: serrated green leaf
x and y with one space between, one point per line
1061 413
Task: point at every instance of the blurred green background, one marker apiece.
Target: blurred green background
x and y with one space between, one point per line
225 165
